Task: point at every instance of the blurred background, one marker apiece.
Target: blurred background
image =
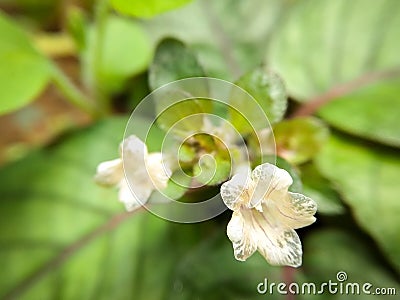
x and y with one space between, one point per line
72 71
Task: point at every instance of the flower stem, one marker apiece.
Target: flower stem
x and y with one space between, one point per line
72 93
101 15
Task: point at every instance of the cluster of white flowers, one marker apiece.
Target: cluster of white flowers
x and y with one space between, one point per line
265 213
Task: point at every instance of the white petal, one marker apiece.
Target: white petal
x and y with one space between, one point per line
109 172
268 180
133 153
158 172
132 200
279 245
273 176
240 236
296 210
235 191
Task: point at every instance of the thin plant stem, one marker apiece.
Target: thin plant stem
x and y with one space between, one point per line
72 93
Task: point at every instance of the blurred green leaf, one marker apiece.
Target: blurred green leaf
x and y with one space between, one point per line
297 185
299 140
211 272
178 184
230 37
367 178
268 91
55 223
212 170
63 237
328 252
319 188
371 112
321 44
176 106
187 153
125 51
146 9
24 72
173 61
183 117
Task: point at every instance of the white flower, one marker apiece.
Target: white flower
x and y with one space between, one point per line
145 172
265 215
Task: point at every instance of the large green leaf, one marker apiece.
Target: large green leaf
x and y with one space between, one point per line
324 43
125 51
175 105
173 61
367 178
320 190
149 8
63 237
328 252
370 112
24 72
229 36
270 100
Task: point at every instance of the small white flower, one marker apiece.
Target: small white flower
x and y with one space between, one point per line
145 172
265 215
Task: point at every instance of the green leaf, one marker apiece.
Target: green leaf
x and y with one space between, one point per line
147 8
299 140
297 186
183 117
186 153
321 44
178 184
210 271
64 237
320 189
269 94
125 52
327 252
52 222
370 112
367 179
212 170
24 72
267 89
230 37
173 61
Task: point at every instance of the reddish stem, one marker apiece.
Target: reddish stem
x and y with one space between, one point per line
315 103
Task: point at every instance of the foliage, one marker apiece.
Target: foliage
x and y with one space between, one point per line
326 74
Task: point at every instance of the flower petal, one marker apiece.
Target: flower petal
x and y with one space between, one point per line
278 245
276 178
234 192
158 172
268 180
296 210
134 154
240 236
109 172
132 200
